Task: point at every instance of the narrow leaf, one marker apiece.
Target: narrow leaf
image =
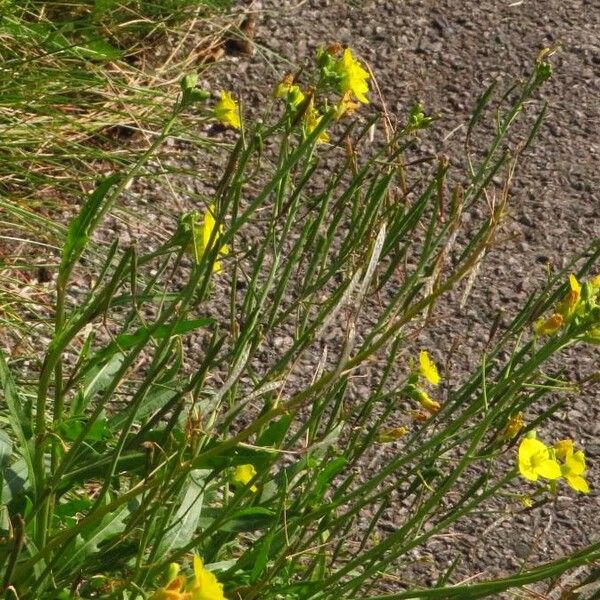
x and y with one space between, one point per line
80 229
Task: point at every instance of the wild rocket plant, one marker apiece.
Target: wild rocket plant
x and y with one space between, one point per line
141 465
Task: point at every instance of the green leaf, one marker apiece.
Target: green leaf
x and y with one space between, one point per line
80 229
250 519
320 448
70 429
482 102
154 400
70 508
96 379
89 543
126 341
240 455
262 556
274 434
185 520
16 480
19 419
5 448
326 474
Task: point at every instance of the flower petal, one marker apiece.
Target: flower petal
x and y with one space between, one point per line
564 448
576 463
549 469
198 567
574 284
527 471
529 447
427 368
578 483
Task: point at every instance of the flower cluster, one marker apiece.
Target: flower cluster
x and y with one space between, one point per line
341 71
297 100
204 586
536 460
580 302
226 110
352 77
425 372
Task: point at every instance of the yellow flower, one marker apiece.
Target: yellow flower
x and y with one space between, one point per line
573 470
353 77
569 303
174 588
392 435
574 284
312 118
549 326
563 448
243 474
172 591
573 467
427 368
513 426
227 111
206 586
346 106
535 460
427 402
203 234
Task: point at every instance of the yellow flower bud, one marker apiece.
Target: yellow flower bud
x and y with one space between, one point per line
312 118
513 426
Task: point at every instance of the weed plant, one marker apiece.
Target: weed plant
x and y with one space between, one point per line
173 447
